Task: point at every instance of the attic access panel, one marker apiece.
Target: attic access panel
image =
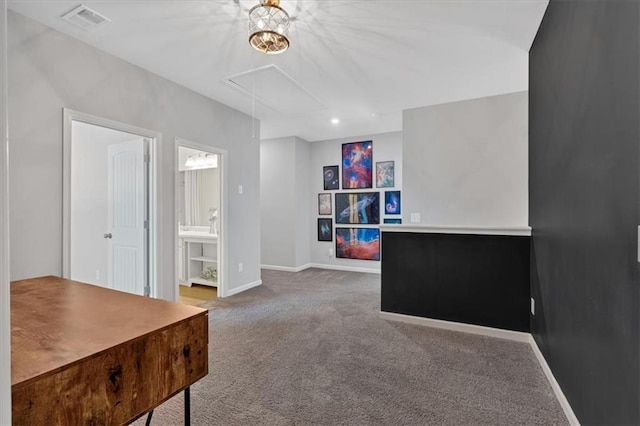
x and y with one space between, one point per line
275 89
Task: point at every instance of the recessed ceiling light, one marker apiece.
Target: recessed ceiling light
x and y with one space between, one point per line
335 121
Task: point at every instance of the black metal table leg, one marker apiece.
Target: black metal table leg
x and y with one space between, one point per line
149 418
187 406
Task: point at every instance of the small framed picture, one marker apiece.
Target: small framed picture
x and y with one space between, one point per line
325 229
392 221
331 177
392 202
324 204
385 174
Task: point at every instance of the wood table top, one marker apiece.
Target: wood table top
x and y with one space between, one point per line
57 322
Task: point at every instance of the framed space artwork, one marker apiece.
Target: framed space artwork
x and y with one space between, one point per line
324 204
356 165
392 202
325 230
385 174
331 177
358 243
392 221
358 207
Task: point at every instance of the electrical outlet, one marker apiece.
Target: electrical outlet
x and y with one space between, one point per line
415 218
240 267
331 252
98 274
240 189
533 306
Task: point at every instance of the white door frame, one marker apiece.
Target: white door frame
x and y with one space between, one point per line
155 209
5 319
222 233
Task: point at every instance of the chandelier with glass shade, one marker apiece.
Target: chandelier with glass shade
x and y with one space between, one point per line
269 27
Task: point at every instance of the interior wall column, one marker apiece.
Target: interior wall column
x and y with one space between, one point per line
5 317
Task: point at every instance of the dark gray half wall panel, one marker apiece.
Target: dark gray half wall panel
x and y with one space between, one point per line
473 279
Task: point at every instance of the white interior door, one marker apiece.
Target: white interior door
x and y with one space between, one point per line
127 213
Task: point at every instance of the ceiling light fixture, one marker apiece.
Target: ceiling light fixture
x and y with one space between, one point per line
201 161
335 121
269 27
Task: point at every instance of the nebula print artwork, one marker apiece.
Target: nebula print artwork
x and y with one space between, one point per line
357 165
358 243
392 202
358 207
325 230
330 176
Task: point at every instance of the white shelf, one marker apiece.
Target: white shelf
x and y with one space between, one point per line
204 259
198 280
203 251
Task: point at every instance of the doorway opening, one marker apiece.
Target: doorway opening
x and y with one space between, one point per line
200 222
109 204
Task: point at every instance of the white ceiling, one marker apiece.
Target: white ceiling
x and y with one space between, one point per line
361 61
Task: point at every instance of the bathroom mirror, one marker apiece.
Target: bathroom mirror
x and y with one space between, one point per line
199 187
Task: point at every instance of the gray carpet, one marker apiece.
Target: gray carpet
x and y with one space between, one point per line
309 348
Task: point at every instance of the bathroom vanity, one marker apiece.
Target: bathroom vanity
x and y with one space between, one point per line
197 251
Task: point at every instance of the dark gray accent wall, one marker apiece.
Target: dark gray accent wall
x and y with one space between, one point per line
584 193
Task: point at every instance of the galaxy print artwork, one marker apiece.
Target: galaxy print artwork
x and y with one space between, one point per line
358 243
392 202
385 174
358 208
357 165
325 230
331 178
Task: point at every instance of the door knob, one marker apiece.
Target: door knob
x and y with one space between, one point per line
107 235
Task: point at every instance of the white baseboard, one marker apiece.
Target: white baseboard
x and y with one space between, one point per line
499 333
286 268
245 287
564 403
458 326
344 268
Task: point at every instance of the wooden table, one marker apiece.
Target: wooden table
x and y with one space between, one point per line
82 354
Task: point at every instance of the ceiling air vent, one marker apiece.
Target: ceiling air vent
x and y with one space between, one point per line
83 17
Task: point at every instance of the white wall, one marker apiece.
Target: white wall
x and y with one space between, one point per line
89 170
302 202
386 147
466 163
5 319
281 202
49 71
